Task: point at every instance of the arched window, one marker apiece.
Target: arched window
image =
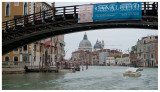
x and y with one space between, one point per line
34 47
34 58
15 58
6 58
40 59
25 8
25 59
7 9
25 48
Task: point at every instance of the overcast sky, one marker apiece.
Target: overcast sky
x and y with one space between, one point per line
113 38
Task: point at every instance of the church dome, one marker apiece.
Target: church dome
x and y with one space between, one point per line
85 44
97 46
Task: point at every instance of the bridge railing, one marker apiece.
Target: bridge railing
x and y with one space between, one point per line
59 13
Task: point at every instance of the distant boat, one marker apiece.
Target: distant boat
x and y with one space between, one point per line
132 72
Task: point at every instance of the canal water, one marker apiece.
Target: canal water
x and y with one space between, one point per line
95 78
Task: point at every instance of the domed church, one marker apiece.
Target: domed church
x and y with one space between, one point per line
99 45
85 44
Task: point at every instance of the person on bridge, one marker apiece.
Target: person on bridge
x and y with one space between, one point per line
153 6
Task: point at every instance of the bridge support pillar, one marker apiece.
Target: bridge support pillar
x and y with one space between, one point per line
64 18
33 23
15 24
53 18
43 20
74 15
144 8
6 28
64 11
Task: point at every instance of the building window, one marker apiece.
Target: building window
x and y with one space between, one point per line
48 57
144 41
6 58
34 58
7 9
25 48
25 8
51 51
25 59
16 3
151 55
34 47
40 48
15 58
40 59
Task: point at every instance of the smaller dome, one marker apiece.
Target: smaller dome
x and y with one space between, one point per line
97 46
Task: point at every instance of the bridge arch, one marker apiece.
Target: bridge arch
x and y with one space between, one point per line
15 36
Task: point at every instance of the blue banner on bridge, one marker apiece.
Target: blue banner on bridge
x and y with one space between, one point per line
117 11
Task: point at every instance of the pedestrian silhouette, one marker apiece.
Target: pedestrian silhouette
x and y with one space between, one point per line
153 6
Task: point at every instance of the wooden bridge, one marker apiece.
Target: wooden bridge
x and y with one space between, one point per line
63 20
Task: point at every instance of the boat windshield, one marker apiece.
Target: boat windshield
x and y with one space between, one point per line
132 70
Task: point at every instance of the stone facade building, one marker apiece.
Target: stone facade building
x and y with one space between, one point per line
102 57
11 10
95 57
115 60
82 56
39 52
147 53
110 60
133 59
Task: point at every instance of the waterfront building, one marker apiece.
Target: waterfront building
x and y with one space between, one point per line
95 57
118 61
133 59
81 56
156 53
40 53
11 10
102 58
59 49
125 61
147 51
110 60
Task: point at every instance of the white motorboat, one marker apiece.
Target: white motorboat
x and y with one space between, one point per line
132 72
